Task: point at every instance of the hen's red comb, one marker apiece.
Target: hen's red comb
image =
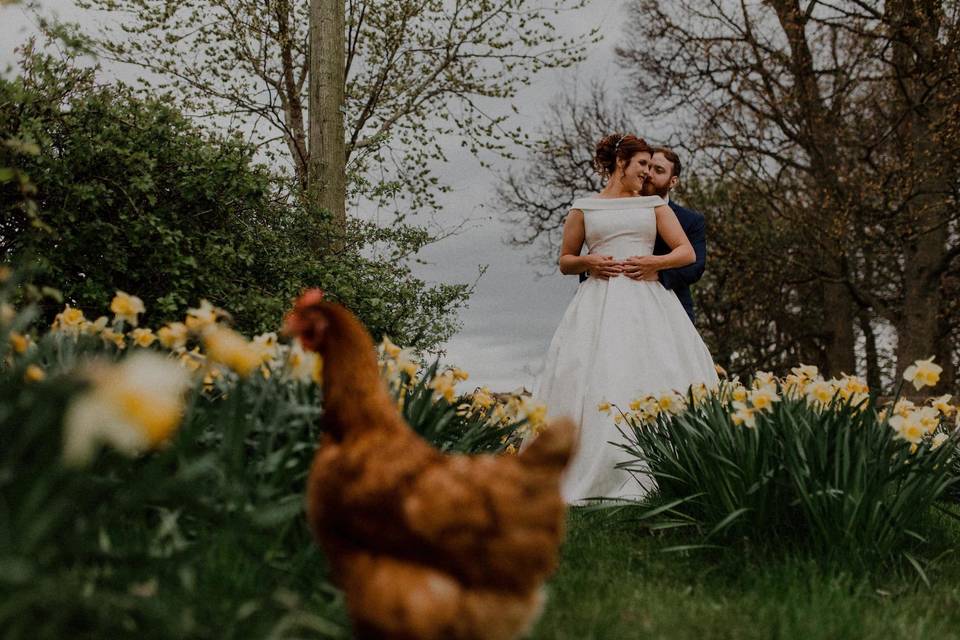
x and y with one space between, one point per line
310 297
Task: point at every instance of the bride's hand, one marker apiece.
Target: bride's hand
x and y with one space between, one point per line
602 267
642 267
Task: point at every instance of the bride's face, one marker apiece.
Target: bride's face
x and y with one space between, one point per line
635 171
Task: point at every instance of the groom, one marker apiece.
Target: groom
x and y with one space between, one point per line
663 175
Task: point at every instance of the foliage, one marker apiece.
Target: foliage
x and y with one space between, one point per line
415 72
801 461
132 196
191 532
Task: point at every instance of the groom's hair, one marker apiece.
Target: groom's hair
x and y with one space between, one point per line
617 146
672 157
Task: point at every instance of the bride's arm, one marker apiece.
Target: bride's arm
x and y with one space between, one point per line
672 233
571 262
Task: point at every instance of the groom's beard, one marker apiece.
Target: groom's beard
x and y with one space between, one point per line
649 189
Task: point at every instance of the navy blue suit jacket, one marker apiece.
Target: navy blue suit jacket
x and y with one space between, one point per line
679 280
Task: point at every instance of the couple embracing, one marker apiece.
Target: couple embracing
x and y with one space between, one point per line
629 330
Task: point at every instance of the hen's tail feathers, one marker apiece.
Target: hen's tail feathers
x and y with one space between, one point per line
554 447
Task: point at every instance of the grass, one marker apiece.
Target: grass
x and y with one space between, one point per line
614 581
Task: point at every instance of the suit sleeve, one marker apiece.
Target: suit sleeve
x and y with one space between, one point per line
673 278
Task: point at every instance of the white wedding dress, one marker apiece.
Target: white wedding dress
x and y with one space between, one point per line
619 339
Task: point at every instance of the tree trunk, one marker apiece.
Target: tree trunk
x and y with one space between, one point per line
874 380
914 28
327 182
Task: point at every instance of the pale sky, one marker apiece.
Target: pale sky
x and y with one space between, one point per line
513 313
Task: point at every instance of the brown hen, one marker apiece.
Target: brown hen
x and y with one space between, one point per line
426 546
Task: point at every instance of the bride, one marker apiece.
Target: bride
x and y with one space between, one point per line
624 335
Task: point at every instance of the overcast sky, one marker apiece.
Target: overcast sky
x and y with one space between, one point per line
513 314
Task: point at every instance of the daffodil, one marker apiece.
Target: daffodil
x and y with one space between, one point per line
923 373
929 418
173 336
69 321
143 337
199 318
229 348
115 337
670 403
192 360
806 372
739 393
389 348
762 379
762 399
904 407
19 342
132 406
34 373
744 415
266 344
908 428
820 392
304 366
938 440
482 398
942 404
126 308
444 386
96 327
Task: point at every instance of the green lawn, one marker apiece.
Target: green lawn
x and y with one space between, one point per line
615 581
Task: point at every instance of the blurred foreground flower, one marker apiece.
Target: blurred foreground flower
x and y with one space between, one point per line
132 406
229 348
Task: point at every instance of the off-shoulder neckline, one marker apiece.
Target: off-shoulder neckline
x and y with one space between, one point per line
593 202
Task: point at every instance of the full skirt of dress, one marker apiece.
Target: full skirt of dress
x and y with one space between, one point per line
619 339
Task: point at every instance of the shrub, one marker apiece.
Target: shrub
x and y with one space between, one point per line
802 461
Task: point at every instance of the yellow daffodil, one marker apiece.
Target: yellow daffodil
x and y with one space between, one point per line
126 308
19 342
389 348
739 393
482 398
670 403
459 374
96 327
304 366
929 418
69 321
143 337
923 373
806 372
762 399
820 392
199 318
744 415
34 373
117 338
229 348
763 379
908 428
132 406
266 344
942 404
192 360
604 407
904 407
173 336
617 418
444 386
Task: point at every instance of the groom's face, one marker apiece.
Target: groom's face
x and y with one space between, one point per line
660 178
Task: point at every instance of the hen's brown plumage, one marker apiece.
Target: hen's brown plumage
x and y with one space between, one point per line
425 545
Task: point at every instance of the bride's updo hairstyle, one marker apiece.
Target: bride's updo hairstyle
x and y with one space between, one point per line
617 146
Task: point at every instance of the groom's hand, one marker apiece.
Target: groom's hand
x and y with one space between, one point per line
641 268
603 267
